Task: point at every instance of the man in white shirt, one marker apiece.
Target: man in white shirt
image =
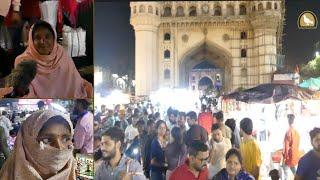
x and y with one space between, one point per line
219 147
131 131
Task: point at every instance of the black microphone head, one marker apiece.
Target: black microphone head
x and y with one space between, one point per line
23 74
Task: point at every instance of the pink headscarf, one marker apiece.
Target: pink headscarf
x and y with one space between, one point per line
29 158
57 76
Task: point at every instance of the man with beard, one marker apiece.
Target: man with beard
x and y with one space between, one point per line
309 164
219 148
226 131
172 116
182 122
116 165
83 132
195 166
195 132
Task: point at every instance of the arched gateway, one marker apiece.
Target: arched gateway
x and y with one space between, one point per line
172 37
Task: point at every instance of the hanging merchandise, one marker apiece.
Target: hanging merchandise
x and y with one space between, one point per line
69 8
5 38
30 10
49 11
74 41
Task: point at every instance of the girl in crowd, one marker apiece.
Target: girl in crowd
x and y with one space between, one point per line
233 170
43 149
176 152
158 144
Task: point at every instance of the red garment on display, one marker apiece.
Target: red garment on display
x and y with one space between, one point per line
71 8
68 7
30 9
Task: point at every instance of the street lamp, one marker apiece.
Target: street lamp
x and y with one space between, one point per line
317 54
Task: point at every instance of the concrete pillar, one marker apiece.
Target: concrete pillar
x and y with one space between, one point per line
146 59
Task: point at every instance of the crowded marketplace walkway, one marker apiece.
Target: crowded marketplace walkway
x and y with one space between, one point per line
176 145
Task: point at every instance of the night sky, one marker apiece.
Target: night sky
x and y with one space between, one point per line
114 36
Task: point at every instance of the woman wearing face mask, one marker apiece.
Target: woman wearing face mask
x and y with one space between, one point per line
233 170
57 76
43 149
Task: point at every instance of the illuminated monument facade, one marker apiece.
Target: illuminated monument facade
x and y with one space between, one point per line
240 39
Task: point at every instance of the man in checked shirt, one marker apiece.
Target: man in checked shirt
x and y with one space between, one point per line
115 165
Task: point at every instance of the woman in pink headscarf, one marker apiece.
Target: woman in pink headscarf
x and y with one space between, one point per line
43 149
57 76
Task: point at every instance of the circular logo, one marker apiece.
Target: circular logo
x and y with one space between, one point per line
307 20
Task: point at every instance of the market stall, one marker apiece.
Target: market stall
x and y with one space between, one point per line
268 105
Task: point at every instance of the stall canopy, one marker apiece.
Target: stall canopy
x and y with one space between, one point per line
312 83
270 93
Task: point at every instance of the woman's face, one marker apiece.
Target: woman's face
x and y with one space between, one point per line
233 165
56 135
43 41
162 129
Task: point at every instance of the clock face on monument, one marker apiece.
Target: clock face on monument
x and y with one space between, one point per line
205 9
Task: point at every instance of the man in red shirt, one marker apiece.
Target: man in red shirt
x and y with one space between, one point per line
205 119
291 153
195 167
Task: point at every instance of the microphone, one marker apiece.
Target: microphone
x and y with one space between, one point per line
20 78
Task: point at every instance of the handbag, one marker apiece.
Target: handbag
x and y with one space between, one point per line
74 41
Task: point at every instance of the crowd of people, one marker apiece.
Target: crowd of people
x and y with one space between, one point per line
43 144
133 141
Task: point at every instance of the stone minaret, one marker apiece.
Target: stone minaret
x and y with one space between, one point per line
145 19
265 22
